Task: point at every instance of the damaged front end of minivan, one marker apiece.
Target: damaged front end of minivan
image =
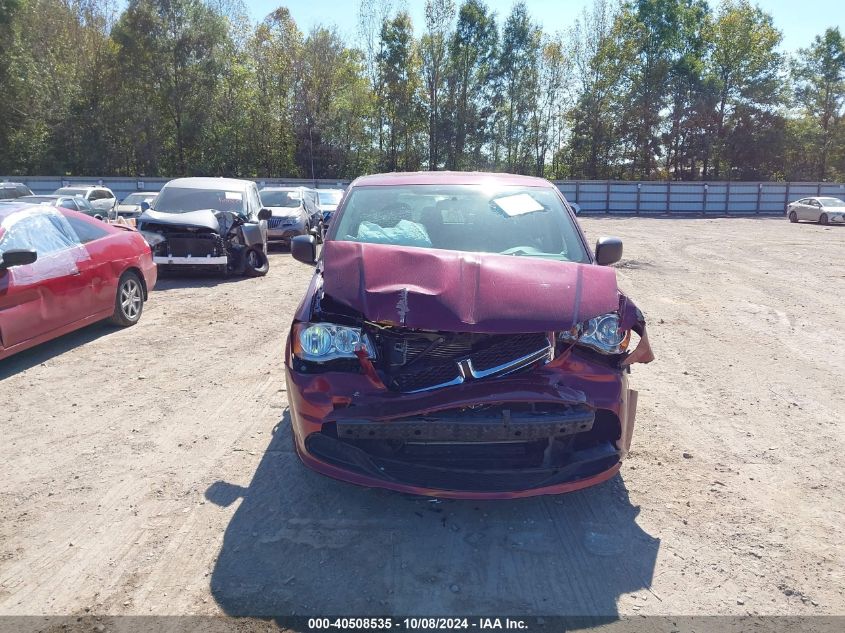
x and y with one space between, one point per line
478 380
205 240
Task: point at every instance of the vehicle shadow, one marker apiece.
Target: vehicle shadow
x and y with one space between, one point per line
302 544
175 281
39 354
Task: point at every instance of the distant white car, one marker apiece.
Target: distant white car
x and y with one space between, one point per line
101 198
131 205
821 209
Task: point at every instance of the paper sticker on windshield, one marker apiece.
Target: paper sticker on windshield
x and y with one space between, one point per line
518 204
233 195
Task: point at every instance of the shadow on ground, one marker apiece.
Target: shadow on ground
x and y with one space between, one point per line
175 281
303 544
45 351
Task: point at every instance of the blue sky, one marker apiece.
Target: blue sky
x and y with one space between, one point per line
798 20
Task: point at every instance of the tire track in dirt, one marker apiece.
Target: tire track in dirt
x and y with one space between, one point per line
152 450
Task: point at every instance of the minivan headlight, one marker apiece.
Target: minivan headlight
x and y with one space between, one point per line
320 342
601 333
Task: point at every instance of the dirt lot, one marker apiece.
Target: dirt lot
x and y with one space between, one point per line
150 470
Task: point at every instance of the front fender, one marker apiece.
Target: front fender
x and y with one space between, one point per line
254 233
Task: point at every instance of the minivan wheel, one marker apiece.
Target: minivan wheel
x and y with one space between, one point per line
793 217
257 264
129 301
823 218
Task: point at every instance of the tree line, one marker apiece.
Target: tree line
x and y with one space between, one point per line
637 89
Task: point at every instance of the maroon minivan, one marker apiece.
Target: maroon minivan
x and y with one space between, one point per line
459 339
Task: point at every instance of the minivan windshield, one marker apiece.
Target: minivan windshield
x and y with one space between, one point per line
271 198
330 197
512 220
187 199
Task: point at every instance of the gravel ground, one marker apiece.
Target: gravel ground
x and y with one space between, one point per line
150 470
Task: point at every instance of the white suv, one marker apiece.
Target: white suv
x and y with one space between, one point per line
101 198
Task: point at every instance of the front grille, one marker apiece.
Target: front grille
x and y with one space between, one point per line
415 361
426 377
190 246
507 349
446 350
277 223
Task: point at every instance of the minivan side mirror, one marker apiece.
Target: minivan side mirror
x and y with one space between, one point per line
303 248
265 214
145 206
17 257
608 250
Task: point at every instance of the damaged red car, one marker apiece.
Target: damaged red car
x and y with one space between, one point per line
460 339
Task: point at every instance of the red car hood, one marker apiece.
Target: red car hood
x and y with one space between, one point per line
456 291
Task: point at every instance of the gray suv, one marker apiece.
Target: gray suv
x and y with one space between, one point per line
294 212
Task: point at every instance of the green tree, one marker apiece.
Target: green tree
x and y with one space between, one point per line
372 15
472 52
667 43
546 116
516 72
689 94
601 53
8 9
439 15
53 120
273 53
745 68
230 145
175 44
400 99
819 73
332 107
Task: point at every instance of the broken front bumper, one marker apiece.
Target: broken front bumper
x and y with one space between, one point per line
187 249
559 428
191 261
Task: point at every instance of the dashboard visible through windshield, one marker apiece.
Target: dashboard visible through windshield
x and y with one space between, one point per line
185 200
513 220
280 198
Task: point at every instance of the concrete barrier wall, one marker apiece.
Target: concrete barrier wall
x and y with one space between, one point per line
593 196
682 198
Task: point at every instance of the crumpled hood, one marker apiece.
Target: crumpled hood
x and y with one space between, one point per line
204 218
456 291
